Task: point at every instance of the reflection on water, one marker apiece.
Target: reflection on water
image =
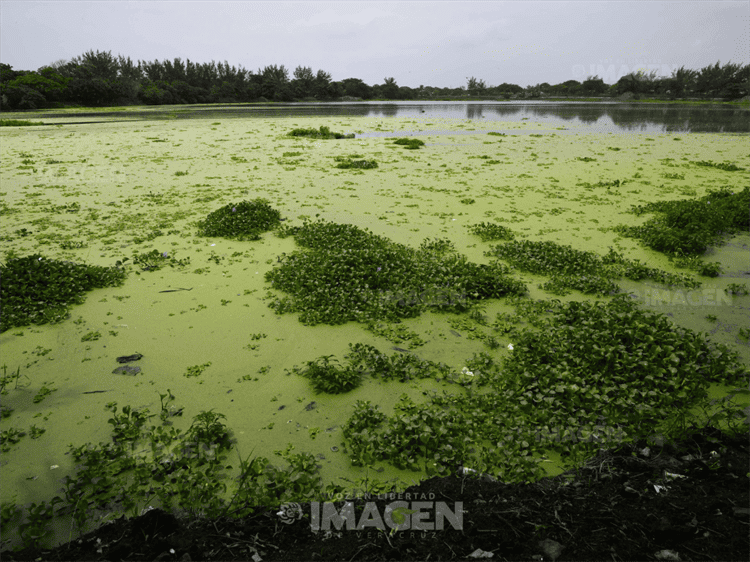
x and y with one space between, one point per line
595 117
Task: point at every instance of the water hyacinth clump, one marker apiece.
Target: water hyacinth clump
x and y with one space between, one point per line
37 290
690 227
345 273
491 231
629 365
581 270
409 144
241 221
323 133
348 163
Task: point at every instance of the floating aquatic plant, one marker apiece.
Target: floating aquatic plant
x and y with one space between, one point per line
491 231
344 273
244 221
37 290
584 271
690 227
322 133
409 144
348 163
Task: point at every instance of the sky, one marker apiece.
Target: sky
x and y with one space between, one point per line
434 43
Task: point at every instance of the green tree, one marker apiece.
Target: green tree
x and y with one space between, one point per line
303 82
594 85
476 87
389 89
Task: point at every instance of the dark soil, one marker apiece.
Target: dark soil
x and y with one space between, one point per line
608 510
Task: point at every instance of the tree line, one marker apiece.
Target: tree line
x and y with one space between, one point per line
101 79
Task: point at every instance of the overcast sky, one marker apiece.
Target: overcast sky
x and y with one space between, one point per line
434 43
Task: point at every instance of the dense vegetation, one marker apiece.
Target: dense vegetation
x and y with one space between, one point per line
37 290
690 227
368 277
101 79
323 133
579 376
584 271
242 221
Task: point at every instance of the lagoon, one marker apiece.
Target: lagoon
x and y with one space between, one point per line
140 180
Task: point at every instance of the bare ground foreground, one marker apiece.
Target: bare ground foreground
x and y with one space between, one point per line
686 500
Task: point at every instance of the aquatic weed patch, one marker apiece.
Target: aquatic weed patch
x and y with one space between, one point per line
581 270
327 376
242 221
346 163
155 464
323 133
345 273
409 144
690 227
726 166
488 231
37 290
18 123
612 363
580 376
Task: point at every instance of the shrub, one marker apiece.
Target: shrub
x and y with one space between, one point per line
243 221
36 290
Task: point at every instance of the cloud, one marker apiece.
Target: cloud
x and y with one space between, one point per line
331 17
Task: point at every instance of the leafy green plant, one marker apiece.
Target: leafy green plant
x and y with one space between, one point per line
155 260
242 221
323 133
127 425
690 227
43 393
409 144
9 437
91 336
491 231
581 270
18 123
35 528
197 370
327 376
726 166
348 163
36 290
344 273
736 289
